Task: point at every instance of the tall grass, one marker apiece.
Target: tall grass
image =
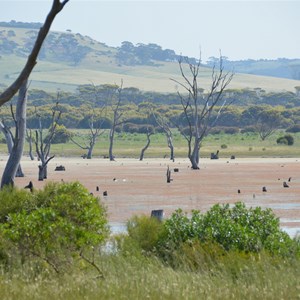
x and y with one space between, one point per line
131 277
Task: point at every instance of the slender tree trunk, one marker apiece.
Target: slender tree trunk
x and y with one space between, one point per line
170 145
29 138
17 150
146 147
111 144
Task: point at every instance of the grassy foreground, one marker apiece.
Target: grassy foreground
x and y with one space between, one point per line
146 278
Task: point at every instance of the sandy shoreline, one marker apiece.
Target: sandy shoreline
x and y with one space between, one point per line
141 186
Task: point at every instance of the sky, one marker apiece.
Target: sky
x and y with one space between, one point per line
239 29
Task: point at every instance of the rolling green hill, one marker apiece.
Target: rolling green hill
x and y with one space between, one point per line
68 60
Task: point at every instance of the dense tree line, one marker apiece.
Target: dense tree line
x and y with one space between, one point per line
247 109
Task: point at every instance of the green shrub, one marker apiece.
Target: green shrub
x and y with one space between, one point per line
224 146
236 228
143 234
286 140
55 225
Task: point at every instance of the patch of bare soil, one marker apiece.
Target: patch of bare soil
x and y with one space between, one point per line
137 187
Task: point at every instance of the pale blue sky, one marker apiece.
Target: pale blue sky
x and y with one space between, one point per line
240 29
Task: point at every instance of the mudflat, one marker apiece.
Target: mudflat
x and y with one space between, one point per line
136 187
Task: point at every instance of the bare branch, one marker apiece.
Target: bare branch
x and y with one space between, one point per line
57 6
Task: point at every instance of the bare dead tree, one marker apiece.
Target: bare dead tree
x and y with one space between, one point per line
95 128
117 120
43 145
20 84
198 106
94 133
164 124
19 139
150 131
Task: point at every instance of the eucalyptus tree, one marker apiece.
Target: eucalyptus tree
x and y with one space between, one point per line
20 84
198 104
267 122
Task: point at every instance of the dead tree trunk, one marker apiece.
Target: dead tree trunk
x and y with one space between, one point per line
17 149
30 141
10 143
43 145
168 175
146 146
20 84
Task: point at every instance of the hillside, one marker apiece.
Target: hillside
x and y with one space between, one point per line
68 60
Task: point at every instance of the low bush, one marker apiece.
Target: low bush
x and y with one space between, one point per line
56 225
235 228
286 140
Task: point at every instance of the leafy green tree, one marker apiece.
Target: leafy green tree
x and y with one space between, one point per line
62 135
268 121
57 225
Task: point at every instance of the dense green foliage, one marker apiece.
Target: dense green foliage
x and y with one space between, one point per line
233 228
286 140
55 225
223 228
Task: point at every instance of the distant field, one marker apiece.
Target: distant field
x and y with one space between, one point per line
130 145
100 67
51 76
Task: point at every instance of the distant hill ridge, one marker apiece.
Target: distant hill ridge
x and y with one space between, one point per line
72 59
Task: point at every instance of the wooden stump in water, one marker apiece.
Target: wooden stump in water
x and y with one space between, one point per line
158 213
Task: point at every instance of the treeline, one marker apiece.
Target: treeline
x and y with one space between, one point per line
142 54
246 109
281 67
101 94
15 24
